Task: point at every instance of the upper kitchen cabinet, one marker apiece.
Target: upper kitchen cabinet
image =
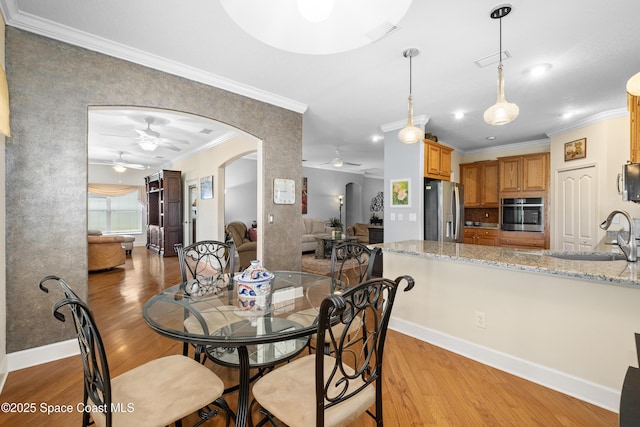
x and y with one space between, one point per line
437 160
480 181
524 173
633 103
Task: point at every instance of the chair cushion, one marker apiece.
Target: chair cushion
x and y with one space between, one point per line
288 392
161 392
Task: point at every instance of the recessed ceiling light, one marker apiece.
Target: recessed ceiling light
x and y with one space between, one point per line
377 138
538 70
568 115
491 138
458 115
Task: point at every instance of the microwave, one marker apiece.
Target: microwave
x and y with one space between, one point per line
629 182
522 214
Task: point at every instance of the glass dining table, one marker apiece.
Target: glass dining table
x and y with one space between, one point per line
242 332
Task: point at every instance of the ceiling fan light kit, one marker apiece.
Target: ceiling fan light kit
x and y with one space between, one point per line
502 112
410 134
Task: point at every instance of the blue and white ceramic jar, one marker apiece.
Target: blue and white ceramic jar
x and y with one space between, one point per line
254 286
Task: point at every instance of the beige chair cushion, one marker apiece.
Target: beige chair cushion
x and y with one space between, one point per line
215 318
288 392
161 392
308 316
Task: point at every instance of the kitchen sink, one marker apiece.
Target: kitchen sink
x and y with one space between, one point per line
588 256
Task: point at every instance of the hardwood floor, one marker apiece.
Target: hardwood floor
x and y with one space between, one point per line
424 385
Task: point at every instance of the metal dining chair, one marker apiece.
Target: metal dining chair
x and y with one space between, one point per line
321 389
351 264
157 393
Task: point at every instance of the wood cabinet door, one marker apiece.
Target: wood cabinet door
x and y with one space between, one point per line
489 185
445 164
509 171
432 160
535 170
470 180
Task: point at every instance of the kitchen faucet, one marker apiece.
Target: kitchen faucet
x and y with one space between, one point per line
629 247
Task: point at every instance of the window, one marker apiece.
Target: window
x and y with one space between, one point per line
115 214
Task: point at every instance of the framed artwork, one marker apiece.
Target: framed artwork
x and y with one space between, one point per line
206 187
575 149
304 195
401 193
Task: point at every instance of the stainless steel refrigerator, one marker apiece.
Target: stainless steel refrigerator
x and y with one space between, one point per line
443 211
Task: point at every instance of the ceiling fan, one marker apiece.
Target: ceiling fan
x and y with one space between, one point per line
338 161
149 139
119 165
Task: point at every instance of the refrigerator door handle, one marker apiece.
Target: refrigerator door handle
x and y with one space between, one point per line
456 208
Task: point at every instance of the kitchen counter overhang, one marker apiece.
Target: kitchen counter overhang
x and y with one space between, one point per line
619 272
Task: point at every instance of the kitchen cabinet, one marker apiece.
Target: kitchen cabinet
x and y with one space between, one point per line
524 173
480 181
525 240
633 103
164 211
437 160
481 236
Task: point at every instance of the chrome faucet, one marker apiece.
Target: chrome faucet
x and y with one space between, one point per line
629 247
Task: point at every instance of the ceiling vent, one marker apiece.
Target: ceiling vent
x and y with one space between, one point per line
492 59
205 131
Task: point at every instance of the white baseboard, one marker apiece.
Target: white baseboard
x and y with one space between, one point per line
4 372
39 355
579 388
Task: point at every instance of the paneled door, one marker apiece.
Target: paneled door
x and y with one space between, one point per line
576 223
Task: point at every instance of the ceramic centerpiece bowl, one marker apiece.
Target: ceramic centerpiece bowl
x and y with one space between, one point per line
254 286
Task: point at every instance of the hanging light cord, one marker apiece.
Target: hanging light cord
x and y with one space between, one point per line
500 42
410 72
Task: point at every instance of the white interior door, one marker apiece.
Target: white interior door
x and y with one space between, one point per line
576 221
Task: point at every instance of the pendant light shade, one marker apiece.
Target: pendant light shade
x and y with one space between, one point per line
502 112
410 134
633 85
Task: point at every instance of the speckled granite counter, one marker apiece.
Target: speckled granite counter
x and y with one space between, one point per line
615 272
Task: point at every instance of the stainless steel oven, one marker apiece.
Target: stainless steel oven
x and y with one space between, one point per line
522 214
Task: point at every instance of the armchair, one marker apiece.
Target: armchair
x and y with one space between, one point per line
104 252
246 248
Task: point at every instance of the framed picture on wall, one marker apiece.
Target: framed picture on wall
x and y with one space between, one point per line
575 149
401 193
304 195
206 187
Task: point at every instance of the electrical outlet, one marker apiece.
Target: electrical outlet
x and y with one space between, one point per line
481 320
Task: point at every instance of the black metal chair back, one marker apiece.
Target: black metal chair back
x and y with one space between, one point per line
97 381
371 301
206 261
352 262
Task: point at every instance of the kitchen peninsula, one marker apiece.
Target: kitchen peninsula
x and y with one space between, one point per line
565 324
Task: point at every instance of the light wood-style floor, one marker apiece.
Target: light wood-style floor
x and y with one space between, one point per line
424 385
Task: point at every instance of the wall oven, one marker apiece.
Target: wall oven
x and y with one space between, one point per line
522 214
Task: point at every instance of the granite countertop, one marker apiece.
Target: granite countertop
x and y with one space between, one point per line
537 261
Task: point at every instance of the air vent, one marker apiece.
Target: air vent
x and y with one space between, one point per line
492 59
206 131
381 31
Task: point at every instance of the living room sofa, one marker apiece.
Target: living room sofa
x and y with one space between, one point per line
311 228
104 252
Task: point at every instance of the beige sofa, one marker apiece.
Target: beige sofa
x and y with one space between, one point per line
105 252
247 250
311 228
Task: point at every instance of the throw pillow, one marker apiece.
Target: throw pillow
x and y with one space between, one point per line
253 234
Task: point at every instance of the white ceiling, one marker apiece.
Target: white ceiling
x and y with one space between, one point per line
346 98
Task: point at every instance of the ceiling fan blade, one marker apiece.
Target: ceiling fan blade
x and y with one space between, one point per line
169 146
134 166
177 141
352 164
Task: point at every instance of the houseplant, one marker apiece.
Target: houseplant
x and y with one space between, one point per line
335 224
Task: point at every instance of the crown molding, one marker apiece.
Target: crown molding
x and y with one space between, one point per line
24 21
399 124
596 118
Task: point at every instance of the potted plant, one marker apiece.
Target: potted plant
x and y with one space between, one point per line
335 224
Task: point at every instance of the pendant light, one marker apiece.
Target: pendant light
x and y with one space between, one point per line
410 134
633 85
502 112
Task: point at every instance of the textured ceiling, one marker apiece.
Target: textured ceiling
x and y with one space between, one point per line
347 97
